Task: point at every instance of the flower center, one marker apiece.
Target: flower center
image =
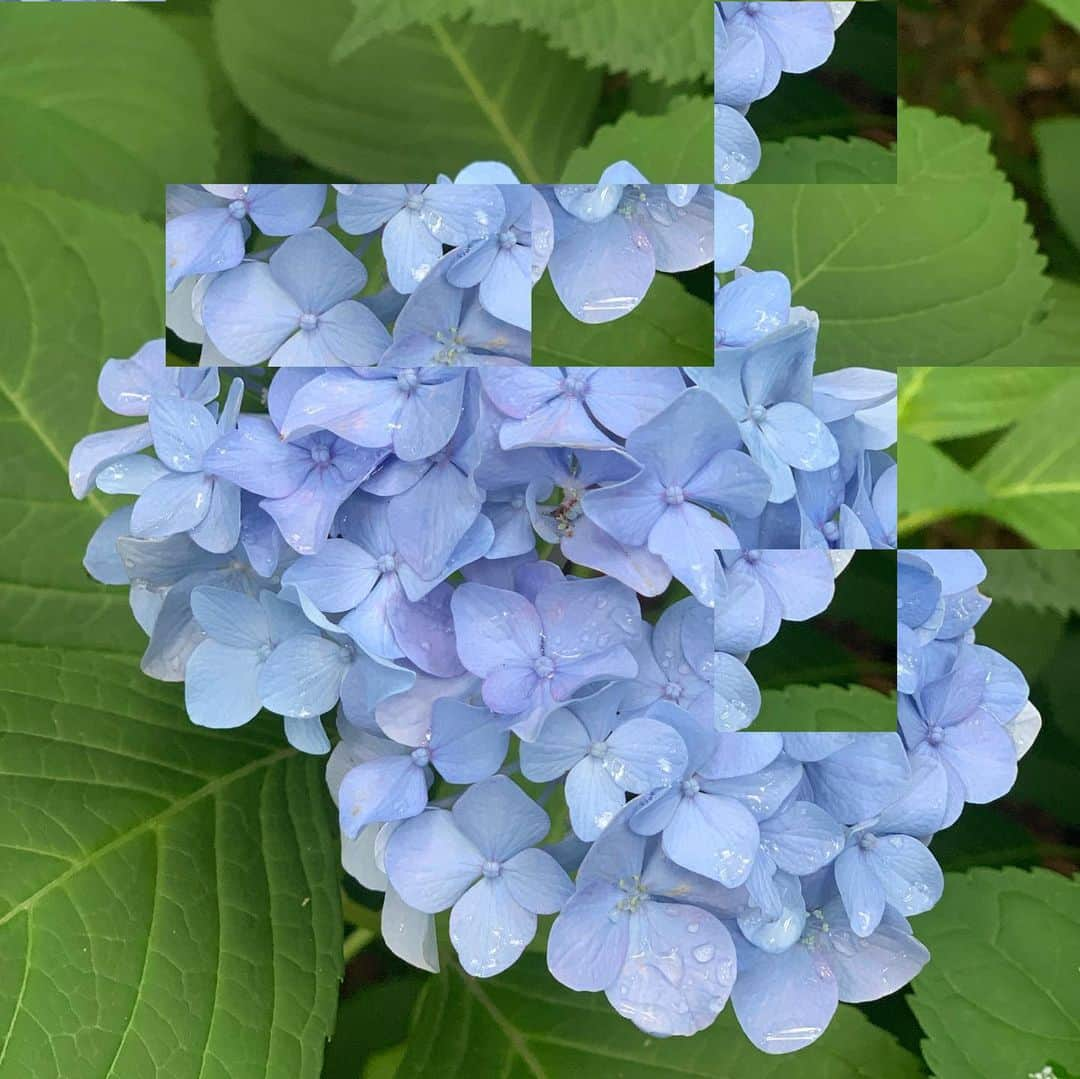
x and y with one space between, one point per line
635 895
598 749
491 868
935 735
752 557
544 667
421 757
408 380
573 386
238 209
414 202
308 321
674 495
830 531
690 787
387 563
320 453
673 691
507 239
757 413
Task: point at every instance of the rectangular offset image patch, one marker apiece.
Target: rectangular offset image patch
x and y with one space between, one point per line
805 92
350 275
628 278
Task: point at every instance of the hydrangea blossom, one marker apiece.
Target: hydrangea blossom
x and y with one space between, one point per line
754 44
450 563
254 274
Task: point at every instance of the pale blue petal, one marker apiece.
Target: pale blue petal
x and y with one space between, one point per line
589 939
489 928
500 818
430 862
536 881
384 789
467 742
679 970
220 685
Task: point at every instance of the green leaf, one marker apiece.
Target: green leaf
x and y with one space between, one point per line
1001 995
1058 140
940 265
677 143
1051 339
426 99
825 161
234 126
1033 473
77 284
523 1023
669 40
372 1020
802 653
985 835
937 403
826 708
106 109
1027 635
168 894
670 327
1045 580
933 485
1069 10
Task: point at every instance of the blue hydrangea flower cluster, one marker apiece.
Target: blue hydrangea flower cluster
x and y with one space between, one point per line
452 562
261 273
755 43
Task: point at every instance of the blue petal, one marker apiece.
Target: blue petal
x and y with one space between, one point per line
489 928
384 789
536 881
785 1001
500 818
220 685
589 939
467 742
317 271
714 836
679 970
735 144
430 862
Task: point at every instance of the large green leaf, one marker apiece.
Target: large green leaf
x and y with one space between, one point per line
825 161
665 147
826 708
1001 996
669 40
1058 140
410 104
168 895
1033 472
670 327
107 109
937 403
1046 580
933 485
939 268
1051 339
1069 10
524 1024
